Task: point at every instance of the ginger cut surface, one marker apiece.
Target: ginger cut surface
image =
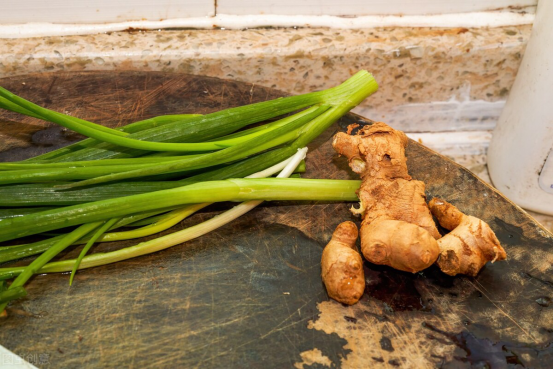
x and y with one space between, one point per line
342 266
470 244
388 193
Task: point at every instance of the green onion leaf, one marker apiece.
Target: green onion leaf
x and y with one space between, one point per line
97 234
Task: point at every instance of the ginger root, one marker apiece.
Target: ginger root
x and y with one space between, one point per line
401 245
342 267
470 244
397 227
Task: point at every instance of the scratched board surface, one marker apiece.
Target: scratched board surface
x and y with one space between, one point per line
250 294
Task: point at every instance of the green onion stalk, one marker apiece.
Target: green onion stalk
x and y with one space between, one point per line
44 258
235 189
16 290
286 131
120 173
157 223
332 189
116 137
217 124
47 194
129 128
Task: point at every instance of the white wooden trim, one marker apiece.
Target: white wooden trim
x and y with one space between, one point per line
366 7
117 11
479 19
101 11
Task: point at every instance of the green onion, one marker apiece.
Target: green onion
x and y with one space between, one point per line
263 142
139 160
51 174
129 128
318 125
52 116
163 222
214 191
162 242
17 212
226 121
97 234
44 194
48 255
12 294
8 253
25 165
116 137
279 135
8 105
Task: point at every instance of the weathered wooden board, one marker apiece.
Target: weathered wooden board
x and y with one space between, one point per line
250 295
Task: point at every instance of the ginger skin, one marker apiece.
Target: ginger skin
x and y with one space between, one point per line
397 227
409 252
342 266
470 244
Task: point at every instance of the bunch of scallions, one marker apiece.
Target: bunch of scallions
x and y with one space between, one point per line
150 175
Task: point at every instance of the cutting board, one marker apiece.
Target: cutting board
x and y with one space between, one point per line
250 295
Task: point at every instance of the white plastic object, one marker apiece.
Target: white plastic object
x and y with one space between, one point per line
522 140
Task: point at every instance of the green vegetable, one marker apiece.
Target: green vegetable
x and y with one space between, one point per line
226 121
97 234
255 145
283 133
166 241
28 108
12 294
116 137
162 222
17 212
48 255
8 253
43 194
26 165
51 174
151 174
129 128
213 191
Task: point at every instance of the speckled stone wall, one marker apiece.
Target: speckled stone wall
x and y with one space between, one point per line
430 79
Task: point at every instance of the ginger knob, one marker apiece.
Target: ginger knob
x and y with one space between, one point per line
398 229
401 245
470 244
342 266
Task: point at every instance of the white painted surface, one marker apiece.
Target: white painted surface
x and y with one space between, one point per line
545 178
9 360
364 7
120 11
454 144
101 11
522 139
459 113
479 19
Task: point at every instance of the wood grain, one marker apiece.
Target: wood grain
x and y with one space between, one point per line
250 295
